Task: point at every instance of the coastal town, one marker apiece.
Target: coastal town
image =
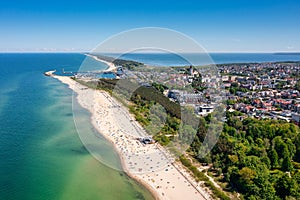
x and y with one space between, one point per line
258 90
263 90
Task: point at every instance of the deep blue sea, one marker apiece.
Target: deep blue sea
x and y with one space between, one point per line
163 59
41 155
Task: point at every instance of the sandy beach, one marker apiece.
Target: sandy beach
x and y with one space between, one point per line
111 66
149 164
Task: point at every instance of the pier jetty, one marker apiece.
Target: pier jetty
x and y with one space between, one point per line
49 73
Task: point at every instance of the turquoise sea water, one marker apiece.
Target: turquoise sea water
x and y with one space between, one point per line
41 155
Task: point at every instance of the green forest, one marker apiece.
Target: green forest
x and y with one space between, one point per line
259 159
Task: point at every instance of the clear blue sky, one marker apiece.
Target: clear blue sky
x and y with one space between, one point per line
218 25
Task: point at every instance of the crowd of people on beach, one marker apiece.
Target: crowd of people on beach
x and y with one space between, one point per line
149 164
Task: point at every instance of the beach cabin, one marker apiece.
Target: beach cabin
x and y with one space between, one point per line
146 140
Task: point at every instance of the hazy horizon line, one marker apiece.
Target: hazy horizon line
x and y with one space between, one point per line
157 52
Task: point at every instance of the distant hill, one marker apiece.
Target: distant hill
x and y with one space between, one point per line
287 53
